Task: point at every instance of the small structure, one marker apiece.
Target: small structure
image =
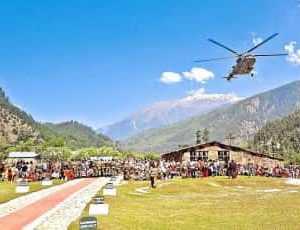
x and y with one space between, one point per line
88 223
115 180
25 156
47 182
22 186
223 153
109 190
98 207
104 158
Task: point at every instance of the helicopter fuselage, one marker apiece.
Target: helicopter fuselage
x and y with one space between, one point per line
245 61
244 65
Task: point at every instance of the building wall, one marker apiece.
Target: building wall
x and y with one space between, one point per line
186 156
212 152
14 160
239 157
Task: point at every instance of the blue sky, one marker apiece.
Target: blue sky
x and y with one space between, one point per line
99 61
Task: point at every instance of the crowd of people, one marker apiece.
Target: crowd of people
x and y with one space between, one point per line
135 169
217 168
64 170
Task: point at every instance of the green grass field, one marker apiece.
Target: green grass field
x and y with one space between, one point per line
212 203
7 190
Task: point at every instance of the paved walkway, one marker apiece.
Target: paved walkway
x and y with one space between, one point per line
22 217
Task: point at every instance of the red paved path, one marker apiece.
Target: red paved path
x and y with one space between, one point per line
26 215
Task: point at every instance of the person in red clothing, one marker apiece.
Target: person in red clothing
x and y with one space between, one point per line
67 174
9 175
205 170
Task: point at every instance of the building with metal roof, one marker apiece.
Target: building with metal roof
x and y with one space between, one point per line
222 152
25 156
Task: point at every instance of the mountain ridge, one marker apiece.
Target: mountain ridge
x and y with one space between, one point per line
78 135
243 119
18 126
168 112
15 124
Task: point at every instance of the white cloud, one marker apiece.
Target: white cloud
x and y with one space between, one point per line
293 53
200 94
198 74
195 74
256 40
170 77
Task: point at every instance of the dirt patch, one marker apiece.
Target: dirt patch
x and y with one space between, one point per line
142 190
269 190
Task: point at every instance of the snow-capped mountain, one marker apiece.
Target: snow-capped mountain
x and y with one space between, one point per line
167 112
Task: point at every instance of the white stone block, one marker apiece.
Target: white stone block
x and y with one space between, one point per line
115 183
98 209
293 181
109 192
22 189
120 179
47 182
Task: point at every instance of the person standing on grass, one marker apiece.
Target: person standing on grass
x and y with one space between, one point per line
233 170
153 173
2 171
205 170
10 175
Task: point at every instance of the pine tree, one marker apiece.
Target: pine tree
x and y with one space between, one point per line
205 135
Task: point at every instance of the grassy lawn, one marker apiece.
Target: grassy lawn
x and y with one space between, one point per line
212 203
8 191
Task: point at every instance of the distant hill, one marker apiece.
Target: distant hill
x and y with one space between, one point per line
74 134
168 112
242 119
281 136
17 126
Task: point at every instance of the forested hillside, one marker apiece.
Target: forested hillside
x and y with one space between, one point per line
281 137
74 134
15 124
19 128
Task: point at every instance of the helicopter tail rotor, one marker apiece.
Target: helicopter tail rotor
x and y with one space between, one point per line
229 77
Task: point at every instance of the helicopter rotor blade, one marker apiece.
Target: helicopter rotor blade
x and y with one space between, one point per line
223 46
261 43
213 59
269 55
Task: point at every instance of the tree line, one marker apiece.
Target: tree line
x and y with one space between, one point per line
59 151
280 138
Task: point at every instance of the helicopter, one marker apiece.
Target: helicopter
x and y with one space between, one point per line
244 61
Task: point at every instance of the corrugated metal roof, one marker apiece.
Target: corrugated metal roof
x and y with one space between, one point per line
22 155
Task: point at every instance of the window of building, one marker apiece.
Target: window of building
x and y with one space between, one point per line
223 155
202 155
193 156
